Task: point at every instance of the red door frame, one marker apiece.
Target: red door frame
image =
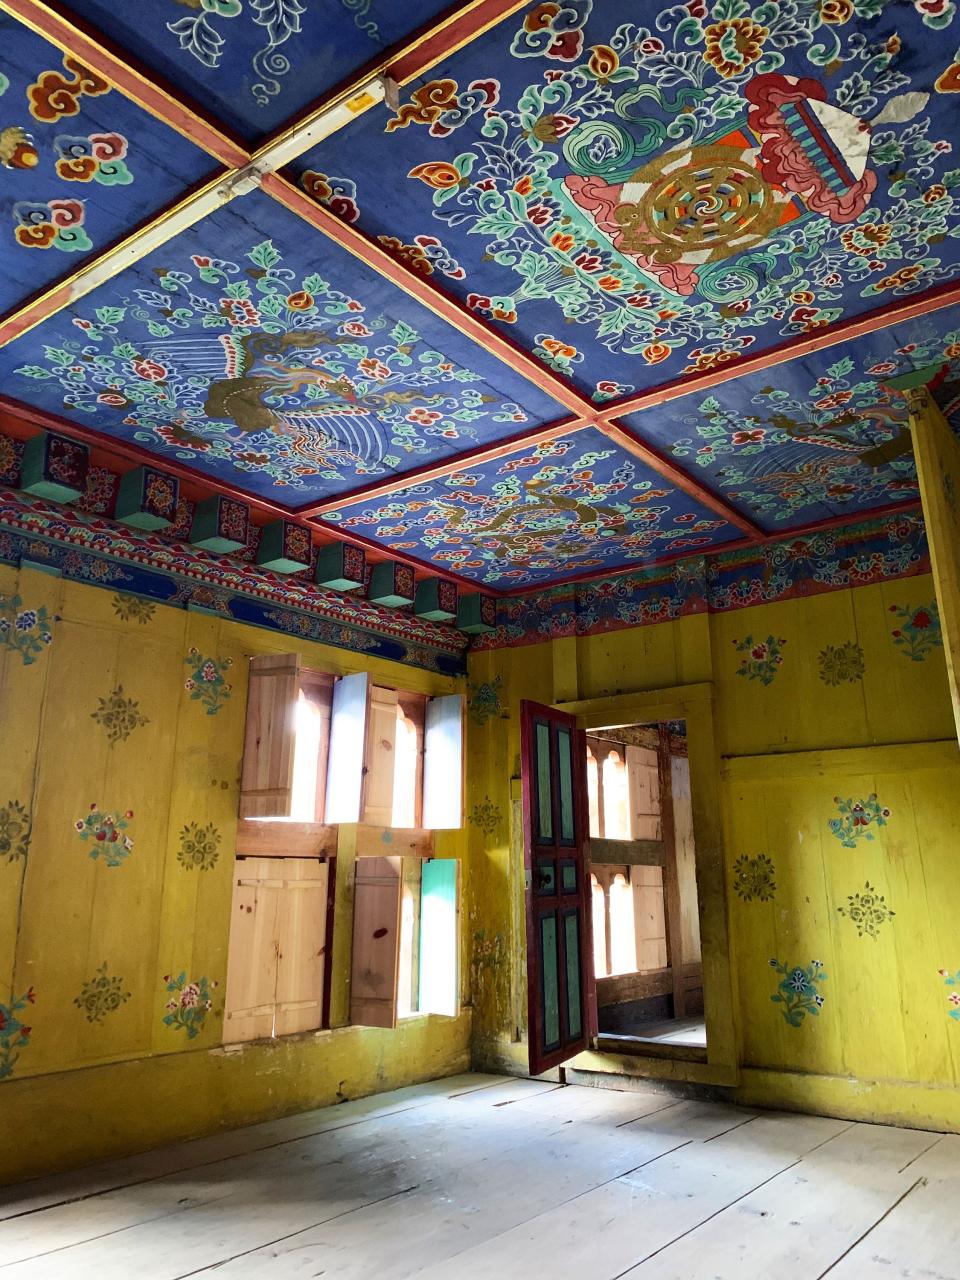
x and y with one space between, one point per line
539 905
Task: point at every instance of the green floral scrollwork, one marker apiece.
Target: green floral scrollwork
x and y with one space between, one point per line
199 847
25 631
206 682
118 715
14 1035
856 818
868 910
797 992
190 1002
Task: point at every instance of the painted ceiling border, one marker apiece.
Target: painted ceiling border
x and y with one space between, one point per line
884 547
206 581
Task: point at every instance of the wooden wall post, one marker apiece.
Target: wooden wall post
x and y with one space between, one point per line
937 453
671 884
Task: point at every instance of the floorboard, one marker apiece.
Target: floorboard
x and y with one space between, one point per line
481 1176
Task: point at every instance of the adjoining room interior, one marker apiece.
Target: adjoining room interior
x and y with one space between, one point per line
646 921
479 639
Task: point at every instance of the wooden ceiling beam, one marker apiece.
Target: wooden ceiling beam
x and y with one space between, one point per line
106 264
482 454
658 462
416 286
898 312
243 167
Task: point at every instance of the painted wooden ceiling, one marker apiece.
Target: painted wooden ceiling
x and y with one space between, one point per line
608 284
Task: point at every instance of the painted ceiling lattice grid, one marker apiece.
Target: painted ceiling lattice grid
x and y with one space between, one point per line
606 286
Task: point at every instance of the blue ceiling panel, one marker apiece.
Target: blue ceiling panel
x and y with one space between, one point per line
256 350
577 505
812 439
638 194
81 164
255 63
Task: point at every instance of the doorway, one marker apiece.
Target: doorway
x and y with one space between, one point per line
644 895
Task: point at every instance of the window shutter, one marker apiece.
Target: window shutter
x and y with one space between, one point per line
275 966
252 958
376 942
301 945
380 758
266 789
439 918
348 724
443 763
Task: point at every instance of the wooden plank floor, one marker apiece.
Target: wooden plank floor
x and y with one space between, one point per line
478 1176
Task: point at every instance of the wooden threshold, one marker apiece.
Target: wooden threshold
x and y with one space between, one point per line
638 1046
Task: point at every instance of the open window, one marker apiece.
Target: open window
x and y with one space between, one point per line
287 736
321 749
405 939
321 752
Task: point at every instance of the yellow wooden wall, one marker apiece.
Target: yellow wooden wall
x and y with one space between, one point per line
851 710
64 914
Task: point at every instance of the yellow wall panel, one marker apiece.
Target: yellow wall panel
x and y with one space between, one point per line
847 712
135 713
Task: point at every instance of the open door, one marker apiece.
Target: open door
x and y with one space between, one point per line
560 985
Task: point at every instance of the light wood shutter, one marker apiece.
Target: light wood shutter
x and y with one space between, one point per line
277 954
443 763
266 789
379 758
376 942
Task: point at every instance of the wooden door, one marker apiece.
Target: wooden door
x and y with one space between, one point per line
560 984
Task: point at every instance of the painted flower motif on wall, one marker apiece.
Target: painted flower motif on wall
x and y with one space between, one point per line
485 703
133 608
14 1035
206 682
106 834
486 815
842 663
753 878
189 1003
119 715
26 631
953 999
867 910
199 847
856 819
798 991
14 831
918 631
100 995
762 658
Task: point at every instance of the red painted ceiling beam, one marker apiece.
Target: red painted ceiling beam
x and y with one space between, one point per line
632 444
422 290
458 27
947 295
386 485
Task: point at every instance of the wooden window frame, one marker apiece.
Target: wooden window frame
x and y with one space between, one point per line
694 704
